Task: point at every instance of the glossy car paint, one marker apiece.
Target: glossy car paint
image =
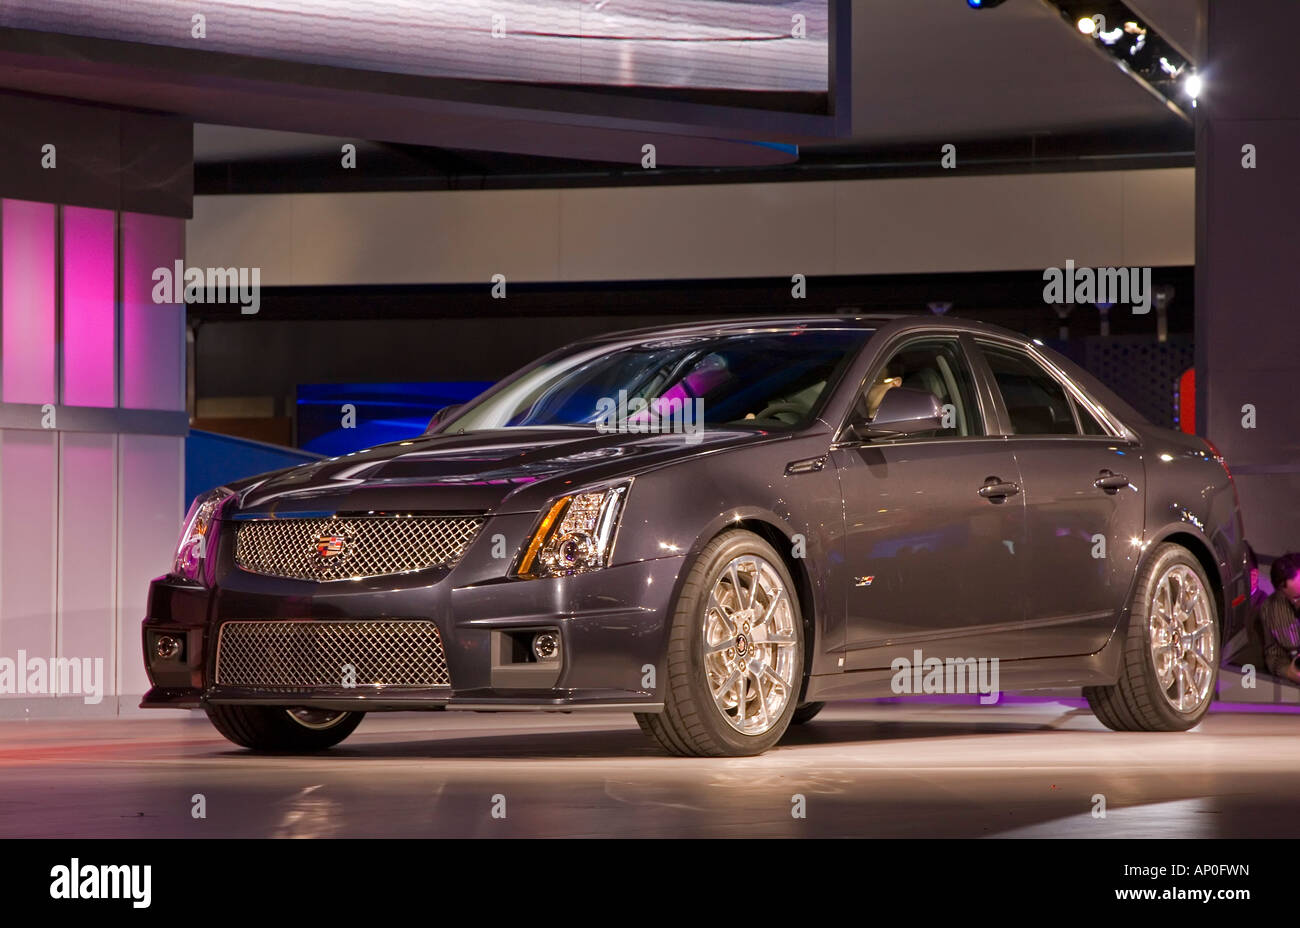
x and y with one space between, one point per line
1012 579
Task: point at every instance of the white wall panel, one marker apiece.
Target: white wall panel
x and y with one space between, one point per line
150 485
88 518
88 551
1159 218
1009 222
891 226
240 231
28 510
399 238
634 233
153 334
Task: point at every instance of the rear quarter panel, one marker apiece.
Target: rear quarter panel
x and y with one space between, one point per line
1191 500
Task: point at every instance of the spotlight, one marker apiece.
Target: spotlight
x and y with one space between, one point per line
984 4
1137 48
1193 85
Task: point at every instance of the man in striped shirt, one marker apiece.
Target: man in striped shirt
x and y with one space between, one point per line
1279 618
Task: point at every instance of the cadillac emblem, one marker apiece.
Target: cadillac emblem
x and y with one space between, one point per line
328 546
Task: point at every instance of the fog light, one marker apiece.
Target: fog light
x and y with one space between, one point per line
546 645
167 647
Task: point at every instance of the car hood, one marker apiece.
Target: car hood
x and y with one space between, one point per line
504 470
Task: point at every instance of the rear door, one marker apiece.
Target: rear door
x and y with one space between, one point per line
1082 486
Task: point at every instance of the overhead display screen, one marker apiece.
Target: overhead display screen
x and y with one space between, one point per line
777 46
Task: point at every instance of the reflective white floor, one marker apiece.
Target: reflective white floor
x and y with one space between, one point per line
863 769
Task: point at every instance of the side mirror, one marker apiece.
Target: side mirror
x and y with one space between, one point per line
902 411
441 416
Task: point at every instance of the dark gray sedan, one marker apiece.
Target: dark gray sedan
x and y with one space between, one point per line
719 527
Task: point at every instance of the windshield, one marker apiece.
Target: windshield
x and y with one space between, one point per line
770 379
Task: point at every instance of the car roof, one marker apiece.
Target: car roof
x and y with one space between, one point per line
887 323
896 322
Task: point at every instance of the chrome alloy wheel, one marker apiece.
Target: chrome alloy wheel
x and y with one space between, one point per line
1183 641
315 719
750 645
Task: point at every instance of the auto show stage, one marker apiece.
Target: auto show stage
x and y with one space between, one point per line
1023 768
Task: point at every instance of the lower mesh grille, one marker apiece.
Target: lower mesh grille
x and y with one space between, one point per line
287 654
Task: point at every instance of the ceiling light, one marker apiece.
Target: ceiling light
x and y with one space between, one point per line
1087 25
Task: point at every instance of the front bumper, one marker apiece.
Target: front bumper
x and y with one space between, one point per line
612 624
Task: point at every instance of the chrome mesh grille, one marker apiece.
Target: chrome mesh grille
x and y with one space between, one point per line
376 546
298 654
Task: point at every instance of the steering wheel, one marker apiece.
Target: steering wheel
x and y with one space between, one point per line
773 410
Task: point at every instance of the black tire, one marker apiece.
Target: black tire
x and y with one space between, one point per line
273 728
806 713
691 723
1136 702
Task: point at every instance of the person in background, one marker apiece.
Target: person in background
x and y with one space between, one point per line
1245 644
1257 596
1279 618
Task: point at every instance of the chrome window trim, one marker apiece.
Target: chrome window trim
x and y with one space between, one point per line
897 344
1116 429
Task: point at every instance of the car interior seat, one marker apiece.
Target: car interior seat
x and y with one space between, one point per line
876 392
1036 420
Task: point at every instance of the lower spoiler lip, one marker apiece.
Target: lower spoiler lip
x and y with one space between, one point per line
388 699
396 701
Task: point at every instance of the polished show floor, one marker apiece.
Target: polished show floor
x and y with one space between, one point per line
863 769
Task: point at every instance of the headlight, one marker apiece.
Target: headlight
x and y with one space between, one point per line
575 535
199 533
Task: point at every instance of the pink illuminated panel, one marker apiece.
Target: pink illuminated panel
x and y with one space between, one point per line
153 334
89 340
27 301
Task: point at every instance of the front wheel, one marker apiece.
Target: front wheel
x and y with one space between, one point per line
290 729
1171 655
807 712
735 653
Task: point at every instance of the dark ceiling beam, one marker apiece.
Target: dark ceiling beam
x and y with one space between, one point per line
403 167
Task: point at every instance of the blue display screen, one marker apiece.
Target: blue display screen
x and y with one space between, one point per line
338 418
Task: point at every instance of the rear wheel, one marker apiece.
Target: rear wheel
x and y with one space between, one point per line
290 729
735 653
1171 653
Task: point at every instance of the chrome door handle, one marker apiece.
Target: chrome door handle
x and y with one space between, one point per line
996 490
1110 482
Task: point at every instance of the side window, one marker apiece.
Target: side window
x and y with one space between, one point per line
939 366
1036 403
1088 421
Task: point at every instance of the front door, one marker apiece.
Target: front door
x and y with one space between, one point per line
935 524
